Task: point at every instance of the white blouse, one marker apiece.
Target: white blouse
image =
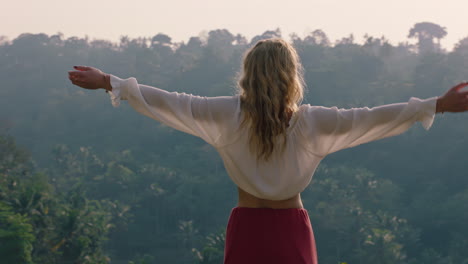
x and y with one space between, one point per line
313 132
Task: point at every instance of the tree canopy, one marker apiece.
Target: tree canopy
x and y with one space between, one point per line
94 184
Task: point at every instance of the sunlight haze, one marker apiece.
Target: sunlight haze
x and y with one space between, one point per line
182 19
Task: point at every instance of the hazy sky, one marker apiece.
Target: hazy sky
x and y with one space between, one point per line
180 19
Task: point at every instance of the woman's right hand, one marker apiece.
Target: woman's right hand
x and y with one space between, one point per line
89 78
453 100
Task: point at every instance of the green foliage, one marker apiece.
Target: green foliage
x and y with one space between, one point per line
213 249
82 227
41 225
16 237
146 193
146 259
347 207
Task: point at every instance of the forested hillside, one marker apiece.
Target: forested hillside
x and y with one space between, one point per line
83 182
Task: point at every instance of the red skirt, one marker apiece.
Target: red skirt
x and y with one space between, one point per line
266 235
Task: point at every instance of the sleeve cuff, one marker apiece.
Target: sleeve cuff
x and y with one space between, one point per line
428 110
115 94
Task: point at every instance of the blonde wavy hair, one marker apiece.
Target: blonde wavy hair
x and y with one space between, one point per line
271 88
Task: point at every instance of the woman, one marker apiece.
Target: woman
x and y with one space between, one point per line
270 144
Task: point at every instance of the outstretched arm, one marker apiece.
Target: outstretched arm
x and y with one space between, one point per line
453 100
204 117
327 130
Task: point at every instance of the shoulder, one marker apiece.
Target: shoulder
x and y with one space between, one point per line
312 117
224 100
315 112
218 104
220 109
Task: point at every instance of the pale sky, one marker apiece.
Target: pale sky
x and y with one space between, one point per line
181 19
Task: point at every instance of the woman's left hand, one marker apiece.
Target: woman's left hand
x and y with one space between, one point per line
89 78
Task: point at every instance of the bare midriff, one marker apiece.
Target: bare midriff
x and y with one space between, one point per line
248 200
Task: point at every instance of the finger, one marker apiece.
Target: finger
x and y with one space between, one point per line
80 74
75 78
71 73
72 77
76 74
79 83
465 93
82 68
459 86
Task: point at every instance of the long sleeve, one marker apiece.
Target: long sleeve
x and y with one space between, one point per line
204 117
327 130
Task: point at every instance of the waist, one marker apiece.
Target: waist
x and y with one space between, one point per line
245 199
